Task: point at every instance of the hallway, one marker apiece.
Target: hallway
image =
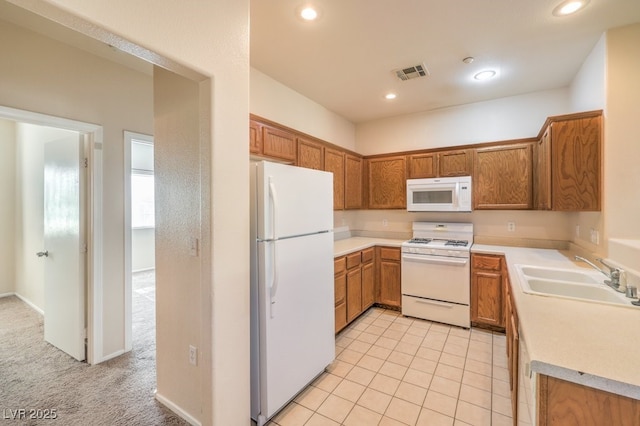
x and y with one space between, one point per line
36 376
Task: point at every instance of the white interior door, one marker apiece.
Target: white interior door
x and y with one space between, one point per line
64 251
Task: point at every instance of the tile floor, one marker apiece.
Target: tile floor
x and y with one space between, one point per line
392 370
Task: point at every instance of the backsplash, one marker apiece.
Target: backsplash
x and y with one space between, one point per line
506 226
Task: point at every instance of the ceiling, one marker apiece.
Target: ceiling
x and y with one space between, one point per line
345 59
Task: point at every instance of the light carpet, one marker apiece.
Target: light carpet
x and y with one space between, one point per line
34 375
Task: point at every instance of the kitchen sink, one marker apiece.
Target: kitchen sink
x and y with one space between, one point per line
566 283
563 275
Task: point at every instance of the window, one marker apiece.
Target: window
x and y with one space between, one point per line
142 200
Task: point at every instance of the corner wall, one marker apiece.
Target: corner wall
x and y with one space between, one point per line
7 206
622 146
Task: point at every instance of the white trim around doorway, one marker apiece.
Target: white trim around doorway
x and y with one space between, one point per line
94 137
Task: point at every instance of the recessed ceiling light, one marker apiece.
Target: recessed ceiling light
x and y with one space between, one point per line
309 13
468 59
485 75
568 7
390 96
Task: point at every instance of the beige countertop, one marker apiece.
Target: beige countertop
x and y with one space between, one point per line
593 344
349 245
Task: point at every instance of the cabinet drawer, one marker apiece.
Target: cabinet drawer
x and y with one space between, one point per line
389 253
339 265
367 255
491 263
353 260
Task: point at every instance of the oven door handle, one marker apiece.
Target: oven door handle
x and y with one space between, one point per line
436 303
435 259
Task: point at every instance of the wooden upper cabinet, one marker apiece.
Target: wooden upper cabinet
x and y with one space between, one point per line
422 165
353 182
279 143
334 162
575 164
310 154
387 181
455 163
255 137
503 177
542 172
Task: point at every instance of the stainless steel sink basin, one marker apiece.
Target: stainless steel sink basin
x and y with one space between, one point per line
566 283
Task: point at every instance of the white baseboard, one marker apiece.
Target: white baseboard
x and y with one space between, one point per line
6 295
179 411
144 270
108 357
31 305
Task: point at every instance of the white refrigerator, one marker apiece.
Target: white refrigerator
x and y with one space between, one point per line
292 288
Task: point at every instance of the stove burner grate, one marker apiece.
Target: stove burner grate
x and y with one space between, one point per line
457 243
420 240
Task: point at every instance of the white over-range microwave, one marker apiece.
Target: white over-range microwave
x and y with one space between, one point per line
448 194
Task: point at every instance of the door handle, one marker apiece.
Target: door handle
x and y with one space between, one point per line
43 253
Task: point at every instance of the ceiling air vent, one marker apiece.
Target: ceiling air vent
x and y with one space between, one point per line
409 73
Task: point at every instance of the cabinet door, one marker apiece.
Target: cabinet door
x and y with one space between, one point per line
389 291
542 172
486 298
255 137
278 143
387 180
422 166
566 403
487 290
503 177
575 169
354 293
310 154
353 182
368 285
334 162
340 292
454 163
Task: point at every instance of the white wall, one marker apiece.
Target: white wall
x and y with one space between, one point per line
143 255
49 77
500 119
587 90
622 144
29 214
276 102
7 206
211 37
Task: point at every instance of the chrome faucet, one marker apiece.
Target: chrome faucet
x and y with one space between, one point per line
613 274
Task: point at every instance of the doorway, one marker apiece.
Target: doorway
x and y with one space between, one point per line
51 169
139 222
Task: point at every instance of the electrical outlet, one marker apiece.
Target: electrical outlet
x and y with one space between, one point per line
511 226
385 222
193 355
595 236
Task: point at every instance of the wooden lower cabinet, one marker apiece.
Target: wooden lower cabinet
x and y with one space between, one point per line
368 279
389 292
487 299
340 292
566 403
359 278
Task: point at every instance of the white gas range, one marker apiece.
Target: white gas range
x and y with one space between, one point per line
436 272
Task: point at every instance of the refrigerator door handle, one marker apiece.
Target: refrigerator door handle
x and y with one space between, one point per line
274 282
